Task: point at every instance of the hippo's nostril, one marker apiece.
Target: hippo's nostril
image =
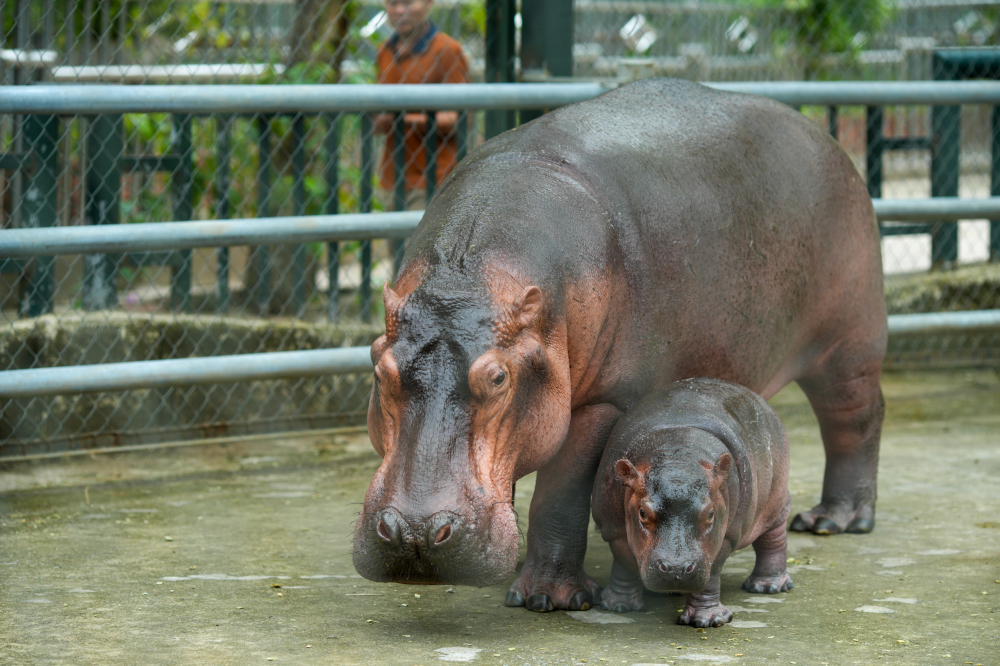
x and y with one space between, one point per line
442 535
662 566
688 567
442 529
388 529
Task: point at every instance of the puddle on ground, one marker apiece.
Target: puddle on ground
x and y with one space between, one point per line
594 616
458 653
874 609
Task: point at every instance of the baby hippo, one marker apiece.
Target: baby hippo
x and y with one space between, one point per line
689 475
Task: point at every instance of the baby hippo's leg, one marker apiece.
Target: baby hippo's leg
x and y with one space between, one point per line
770 574
624 592
703 609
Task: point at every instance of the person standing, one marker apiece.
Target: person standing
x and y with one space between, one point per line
417 52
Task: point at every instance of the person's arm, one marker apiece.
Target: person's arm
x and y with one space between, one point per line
382 121
456 70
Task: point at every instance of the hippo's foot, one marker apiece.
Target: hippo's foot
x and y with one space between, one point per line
758 584
705 616
543 593
835 519
621 600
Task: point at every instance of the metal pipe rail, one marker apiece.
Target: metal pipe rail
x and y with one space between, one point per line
183 372
312 363
156 236
333 98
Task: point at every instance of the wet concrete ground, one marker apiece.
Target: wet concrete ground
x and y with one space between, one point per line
241 554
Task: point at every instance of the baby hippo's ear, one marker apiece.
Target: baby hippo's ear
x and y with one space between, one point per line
629 475
723 465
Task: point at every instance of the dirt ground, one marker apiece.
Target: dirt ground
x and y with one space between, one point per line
240 553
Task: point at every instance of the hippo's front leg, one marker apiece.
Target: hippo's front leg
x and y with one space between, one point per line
624 591
552 576
703 609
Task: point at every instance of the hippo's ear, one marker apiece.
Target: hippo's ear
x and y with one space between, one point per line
723 465
527 306
628 474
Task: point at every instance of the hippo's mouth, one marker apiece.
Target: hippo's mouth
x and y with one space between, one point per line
448 548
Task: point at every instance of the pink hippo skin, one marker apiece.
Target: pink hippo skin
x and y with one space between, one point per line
690 475
569 267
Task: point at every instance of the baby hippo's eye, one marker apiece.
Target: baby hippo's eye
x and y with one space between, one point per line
642 513
711 515
499 378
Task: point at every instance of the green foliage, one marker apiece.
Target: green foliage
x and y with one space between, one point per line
822 28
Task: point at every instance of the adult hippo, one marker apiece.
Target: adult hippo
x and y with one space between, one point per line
567 268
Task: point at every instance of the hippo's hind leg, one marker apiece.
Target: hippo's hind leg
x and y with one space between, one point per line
552 577
770 573
847 398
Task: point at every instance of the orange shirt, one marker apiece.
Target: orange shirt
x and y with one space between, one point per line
436 58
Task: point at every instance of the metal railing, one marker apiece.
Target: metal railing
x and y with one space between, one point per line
50 101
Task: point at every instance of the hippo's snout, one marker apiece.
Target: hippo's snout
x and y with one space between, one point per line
666 575
401 538
445 547
676 571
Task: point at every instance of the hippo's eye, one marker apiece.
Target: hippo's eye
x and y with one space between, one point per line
642 514
711 515
499 378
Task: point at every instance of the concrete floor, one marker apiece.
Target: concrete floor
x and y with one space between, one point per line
241 553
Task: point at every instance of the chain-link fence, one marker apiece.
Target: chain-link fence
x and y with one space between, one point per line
117 169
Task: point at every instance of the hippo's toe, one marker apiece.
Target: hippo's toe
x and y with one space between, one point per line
514 598
540 603
861 525
713 616
825 526
580 601
799 524
774 584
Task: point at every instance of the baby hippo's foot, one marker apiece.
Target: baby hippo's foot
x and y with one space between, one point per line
758 584
705 616
622 600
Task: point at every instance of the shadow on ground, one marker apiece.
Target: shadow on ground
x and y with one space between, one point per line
241 554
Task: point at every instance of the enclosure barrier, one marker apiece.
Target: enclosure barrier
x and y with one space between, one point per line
360 98
154 236
50 101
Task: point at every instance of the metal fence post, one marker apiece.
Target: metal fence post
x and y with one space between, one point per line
399 183
223 155
945 166
874 149
367 167
500 57
946 139
332 207
182 182
262 290
995 183
299 208
546 44
104 144
430 167
831 121
462 134
40 207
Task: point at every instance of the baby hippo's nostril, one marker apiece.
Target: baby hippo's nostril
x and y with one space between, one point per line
688 567
443 535
662 566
